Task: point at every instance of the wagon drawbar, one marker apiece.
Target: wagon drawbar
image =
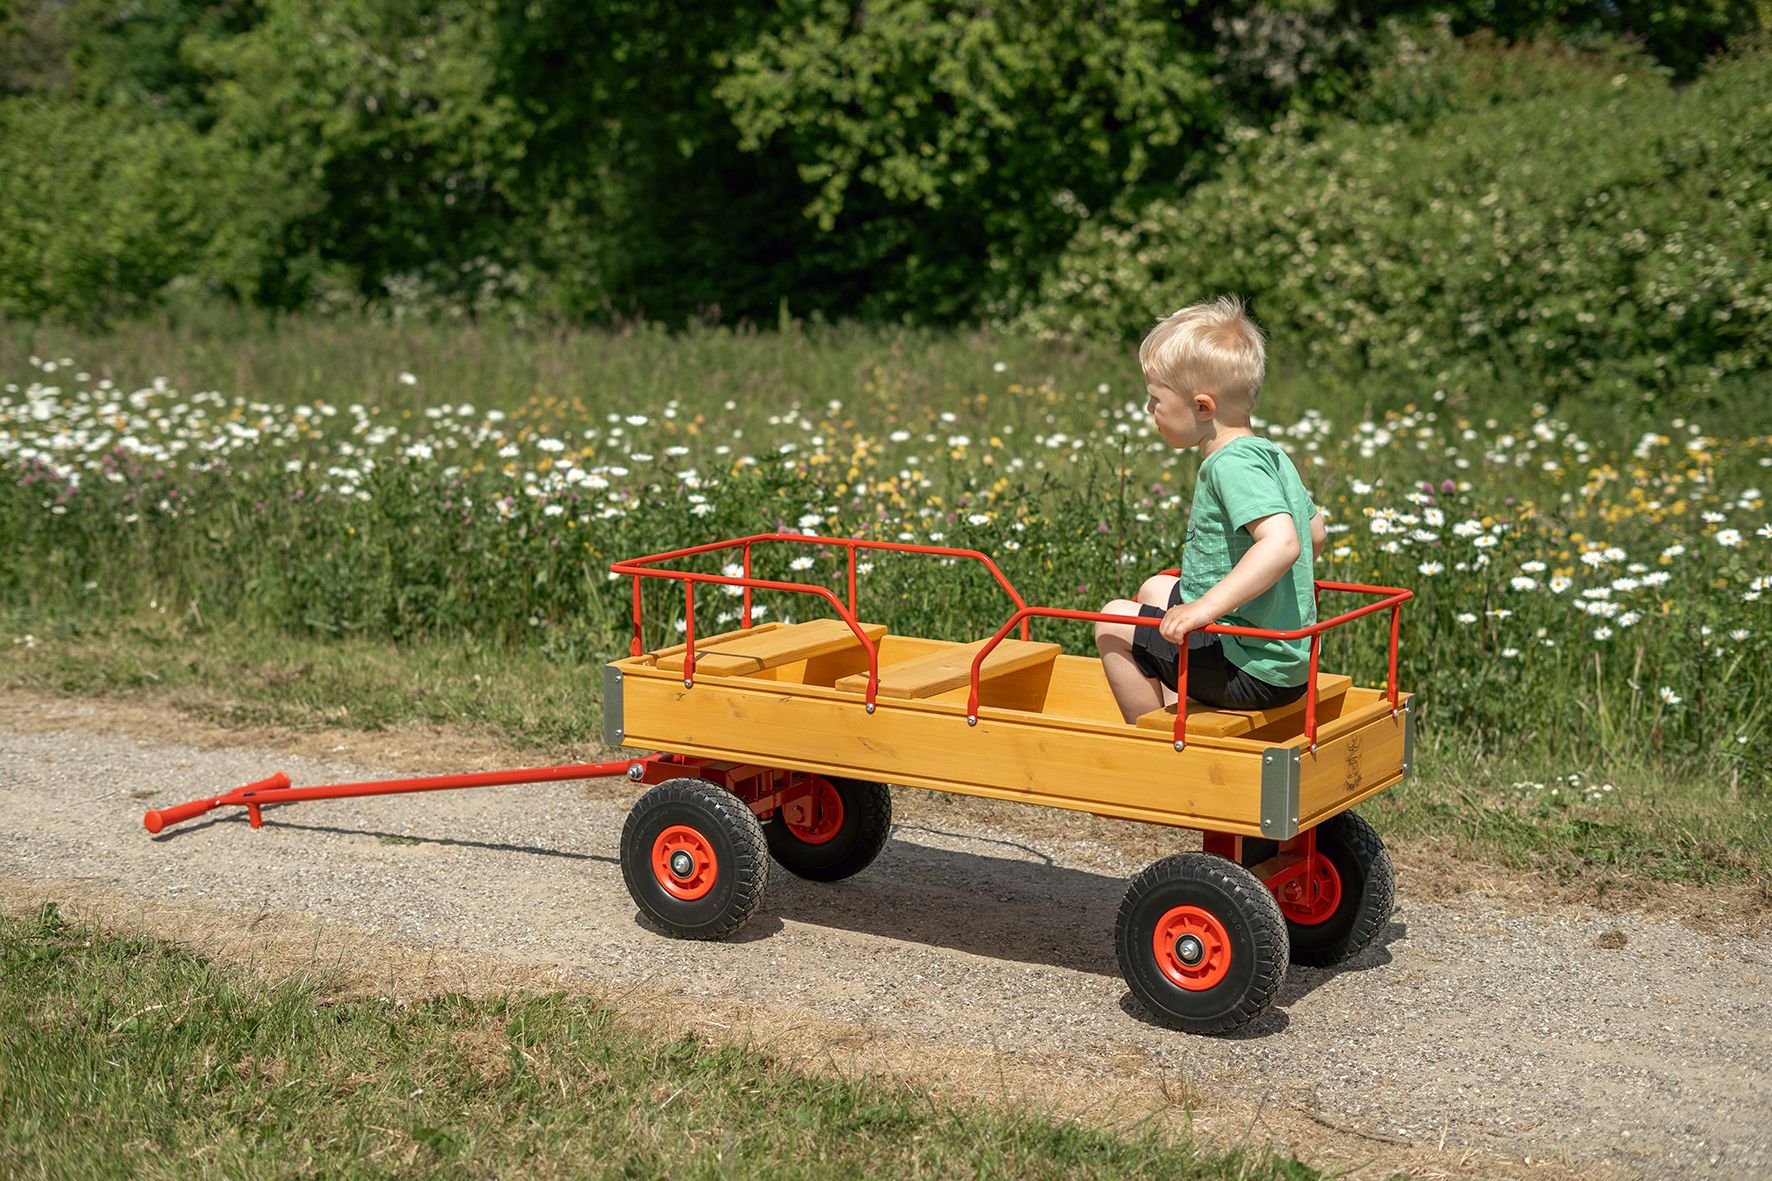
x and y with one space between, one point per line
776 741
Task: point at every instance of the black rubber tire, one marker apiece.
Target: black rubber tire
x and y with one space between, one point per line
730 830
1252 924
867 819
1368 894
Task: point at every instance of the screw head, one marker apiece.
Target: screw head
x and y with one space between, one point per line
1189 950
682 865
636 772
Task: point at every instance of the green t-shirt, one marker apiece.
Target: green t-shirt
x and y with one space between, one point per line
1243 481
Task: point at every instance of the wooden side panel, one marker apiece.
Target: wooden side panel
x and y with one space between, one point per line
937 672
1353 764
1113 770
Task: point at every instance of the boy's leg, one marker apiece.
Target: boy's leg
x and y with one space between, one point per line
1135 692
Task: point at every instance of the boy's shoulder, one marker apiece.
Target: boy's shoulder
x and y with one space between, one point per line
1252 469
1249 455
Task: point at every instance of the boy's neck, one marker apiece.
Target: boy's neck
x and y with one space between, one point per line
1220 434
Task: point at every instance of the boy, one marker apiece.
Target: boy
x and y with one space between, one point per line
1252 538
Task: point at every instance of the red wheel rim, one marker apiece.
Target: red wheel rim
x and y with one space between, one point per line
1312 897
1192 948
816 818
684 863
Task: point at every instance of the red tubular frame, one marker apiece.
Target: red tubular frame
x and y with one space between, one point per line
276 789
764 789
1395 598
639 568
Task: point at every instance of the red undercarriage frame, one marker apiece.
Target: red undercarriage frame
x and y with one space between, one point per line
1303 881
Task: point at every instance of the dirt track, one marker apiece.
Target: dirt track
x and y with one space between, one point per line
1492 1032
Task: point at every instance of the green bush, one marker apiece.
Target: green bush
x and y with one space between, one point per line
1561 224
100 212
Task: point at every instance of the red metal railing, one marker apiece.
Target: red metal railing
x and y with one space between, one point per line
639 568
1394 600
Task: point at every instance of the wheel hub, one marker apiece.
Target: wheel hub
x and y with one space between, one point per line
1192 948
683 863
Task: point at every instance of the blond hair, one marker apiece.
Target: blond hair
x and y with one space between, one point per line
1211 346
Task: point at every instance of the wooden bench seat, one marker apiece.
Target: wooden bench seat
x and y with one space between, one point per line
1208 722
950 668
767 647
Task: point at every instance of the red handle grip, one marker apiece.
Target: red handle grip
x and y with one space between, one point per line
155 821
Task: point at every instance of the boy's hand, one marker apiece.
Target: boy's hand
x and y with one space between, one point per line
1183 618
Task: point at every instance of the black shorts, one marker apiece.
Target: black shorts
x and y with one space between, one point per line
1211 678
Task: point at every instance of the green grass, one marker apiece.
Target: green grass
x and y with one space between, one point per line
122 1056
239 676
1632 827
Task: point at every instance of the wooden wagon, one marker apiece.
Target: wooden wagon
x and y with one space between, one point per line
778 740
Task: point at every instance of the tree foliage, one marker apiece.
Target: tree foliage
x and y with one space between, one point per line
921 159
1569 224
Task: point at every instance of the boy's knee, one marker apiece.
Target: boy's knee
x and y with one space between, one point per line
1155 589
1121 631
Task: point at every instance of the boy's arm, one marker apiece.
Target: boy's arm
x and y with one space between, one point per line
1319 535
1274 551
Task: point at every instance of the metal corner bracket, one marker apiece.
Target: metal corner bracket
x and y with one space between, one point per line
1408 737
613 729
1281 770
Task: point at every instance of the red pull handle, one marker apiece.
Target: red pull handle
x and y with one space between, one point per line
155 821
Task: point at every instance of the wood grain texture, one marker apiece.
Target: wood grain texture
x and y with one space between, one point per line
951 668
1205 720
753 651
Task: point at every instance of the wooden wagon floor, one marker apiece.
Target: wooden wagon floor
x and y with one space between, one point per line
1026 677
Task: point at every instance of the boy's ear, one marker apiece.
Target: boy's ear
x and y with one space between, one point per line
1205 403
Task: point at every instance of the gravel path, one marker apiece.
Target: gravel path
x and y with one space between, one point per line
1473 1037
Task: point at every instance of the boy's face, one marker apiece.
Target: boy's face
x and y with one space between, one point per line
1177 417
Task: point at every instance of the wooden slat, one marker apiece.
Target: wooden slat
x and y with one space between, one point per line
677 650
950 668
765 649
1223 723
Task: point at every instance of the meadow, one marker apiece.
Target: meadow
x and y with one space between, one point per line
1589 637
